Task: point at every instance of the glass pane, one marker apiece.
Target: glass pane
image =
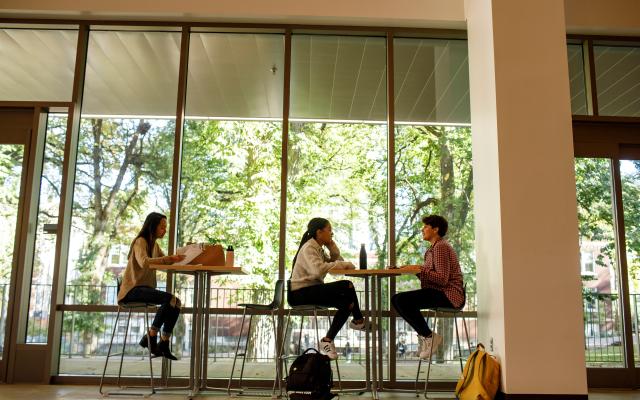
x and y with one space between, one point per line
576 79
600 285
338 155
124 163
45 244
11 158
338 78
630 174
618 80
431 81
433 175
26 67
230 191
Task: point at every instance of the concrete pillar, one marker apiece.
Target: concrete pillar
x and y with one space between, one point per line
529 299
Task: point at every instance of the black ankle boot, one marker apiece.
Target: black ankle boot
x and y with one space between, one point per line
144 342
163 350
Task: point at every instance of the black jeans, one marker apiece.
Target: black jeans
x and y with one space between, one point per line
340 295
168 312
409 304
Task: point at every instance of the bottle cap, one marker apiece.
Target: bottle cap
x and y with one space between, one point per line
230 248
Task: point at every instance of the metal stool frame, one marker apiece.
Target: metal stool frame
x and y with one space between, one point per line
273 307
455 313
130 307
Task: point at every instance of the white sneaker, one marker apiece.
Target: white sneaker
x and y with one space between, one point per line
424 347
358 327
429 344
328 349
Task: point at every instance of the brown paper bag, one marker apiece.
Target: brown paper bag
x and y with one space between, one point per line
212 254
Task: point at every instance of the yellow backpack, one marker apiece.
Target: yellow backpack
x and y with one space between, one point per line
480 378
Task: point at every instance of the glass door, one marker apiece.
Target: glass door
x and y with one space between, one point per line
608 197
15 132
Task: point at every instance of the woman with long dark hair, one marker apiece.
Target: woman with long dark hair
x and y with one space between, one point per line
310 266
139 283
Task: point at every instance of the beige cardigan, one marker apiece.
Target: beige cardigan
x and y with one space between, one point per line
138 272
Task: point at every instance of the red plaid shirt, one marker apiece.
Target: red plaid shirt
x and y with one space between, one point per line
441 271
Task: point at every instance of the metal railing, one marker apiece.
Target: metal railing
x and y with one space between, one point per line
87 333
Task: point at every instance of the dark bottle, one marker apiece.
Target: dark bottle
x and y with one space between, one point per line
363 257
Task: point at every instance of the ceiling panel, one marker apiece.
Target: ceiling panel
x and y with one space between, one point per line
235 75
338 77
132 73
431 81
37 65
618 80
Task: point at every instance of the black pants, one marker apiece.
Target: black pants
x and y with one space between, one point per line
340 295
168 312
409 304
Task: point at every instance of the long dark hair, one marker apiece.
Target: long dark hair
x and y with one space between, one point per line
313 227
148 231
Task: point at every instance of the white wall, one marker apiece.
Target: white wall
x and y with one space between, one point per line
529 294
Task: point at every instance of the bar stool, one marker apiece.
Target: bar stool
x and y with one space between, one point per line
129 308
273 307
444 312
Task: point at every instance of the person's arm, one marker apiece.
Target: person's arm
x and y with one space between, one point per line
334 252
439 274
315 265
143 259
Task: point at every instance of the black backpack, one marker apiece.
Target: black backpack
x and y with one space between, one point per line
310 377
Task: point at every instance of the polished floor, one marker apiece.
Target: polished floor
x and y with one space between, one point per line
55 392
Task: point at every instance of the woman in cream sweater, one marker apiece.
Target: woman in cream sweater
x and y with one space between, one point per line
139 284
310 266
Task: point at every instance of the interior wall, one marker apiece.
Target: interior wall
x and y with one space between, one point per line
402 13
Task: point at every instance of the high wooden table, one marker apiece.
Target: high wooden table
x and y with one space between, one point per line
375 319
200 323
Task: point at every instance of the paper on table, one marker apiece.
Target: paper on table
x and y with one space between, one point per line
190 251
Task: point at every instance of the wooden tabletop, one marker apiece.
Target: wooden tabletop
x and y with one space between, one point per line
216 269
375 272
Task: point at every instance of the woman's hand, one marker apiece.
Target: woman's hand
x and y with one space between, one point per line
344 265
174 258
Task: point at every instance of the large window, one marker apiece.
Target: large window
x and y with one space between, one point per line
601 300
123 172
230 180
338 153
433 173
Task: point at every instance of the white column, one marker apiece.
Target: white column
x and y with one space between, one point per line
529 290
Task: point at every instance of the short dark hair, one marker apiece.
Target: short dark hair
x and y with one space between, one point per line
436 221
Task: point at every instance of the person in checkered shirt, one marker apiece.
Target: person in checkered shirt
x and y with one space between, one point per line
441 284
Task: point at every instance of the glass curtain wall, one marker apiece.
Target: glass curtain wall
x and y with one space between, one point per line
338 161
123 172
433 176
230 185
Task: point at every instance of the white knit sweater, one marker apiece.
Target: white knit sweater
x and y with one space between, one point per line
313 264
